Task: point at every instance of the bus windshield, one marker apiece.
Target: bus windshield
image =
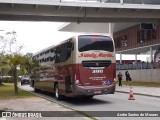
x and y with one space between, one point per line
89 42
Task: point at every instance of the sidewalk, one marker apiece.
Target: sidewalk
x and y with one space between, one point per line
39 104
140 90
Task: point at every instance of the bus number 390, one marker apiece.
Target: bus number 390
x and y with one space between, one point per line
97 71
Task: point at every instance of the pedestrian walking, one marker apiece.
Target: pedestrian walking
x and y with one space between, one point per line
128 78
120 78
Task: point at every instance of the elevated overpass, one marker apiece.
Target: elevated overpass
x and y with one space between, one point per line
80 10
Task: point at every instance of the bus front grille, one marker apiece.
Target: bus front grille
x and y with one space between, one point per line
99 63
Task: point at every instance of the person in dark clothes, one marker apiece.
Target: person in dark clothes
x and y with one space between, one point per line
128 78
120 78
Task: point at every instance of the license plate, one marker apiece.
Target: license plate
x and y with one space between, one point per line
97 92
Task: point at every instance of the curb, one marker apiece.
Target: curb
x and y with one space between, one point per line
68 107
139 94
63 105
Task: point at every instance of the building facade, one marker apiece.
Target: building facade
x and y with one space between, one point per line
140 35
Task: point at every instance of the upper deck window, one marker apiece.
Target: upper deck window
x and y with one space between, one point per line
92 42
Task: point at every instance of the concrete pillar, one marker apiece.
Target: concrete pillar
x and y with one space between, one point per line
151 57
151 54
135 58
135 61
110 29
120 58
121 1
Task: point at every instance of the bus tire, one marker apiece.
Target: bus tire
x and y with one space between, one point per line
56 91
21 83
32 83
35 89
89 96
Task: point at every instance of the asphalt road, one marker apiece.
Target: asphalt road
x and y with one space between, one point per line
115 102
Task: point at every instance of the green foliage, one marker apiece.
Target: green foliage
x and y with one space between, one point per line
8 79
8 62
10 58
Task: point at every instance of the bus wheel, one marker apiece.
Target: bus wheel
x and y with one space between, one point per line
35 89
57 95
89 97
21 83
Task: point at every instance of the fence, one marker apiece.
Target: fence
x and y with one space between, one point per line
135 66
142 75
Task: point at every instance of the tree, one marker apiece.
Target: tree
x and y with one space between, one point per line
10 57
11 50
28 64
1 66
4 67
14 61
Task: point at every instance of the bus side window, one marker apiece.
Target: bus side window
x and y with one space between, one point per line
69 50
57 56
66 51
63 52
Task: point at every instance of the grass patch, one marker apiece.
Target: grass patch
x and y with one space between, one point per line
147 84
7 92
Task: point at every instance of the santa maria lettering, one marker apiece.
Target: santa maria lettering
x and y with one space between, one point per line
94 55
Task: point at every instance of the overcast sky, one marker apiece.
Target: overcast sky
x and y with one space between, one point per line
35 35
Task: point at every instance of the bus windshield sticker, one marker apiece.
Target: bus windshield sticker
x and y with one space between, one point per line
108 82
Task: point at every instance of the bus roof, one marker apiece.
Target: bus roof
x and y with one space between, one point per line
48 48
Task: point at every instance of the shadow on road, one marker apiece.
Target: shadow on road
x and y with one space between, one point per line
77 100
84 101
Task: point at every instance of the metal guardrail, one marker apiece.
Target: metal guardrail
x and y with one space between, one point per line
135 66
142 1
115 1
